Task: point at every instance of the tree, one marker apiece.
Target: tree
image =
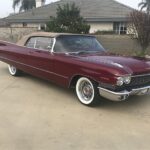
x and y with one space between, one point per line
145 4
139 28
68 20
24 4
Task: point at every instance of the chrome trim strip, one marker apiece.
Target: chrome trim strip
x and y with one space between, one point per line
54 42
133 76
147 87
141 75
34 67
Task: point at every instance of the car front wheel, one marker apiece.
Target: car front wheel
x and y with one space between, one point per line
87 91
13 70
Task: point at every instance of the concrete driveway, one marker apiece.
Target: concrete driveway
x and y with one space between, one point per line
37 115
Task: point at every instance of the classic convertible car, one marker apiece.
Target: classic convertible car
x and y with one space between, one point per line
79 61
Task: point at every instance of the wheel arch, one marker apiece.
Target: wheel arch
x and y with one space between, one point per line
75 78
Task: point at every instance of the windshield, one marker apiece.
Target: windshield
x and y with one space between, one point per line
77 43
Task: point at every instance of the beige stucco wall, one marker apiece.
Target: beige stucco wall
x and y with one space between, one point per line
18 25
94 26
31 25
101 27
106 26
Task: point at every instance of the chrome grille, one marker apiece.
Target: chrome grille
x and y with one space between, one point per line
140 80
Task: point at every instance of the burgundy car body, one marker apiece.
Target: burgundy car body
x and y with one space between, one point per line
62 68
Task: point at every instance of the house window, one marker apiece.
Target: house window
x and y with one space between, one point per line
120 27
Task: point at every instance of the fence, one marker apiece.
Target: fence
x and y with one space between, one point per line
14 34
120 43
117 43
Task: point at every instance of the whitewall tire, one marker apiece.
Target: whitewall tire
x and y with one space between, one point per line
86 91
13 70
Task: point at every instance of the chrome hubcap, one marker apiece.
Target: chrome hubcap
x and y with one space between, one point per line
12 70
86 90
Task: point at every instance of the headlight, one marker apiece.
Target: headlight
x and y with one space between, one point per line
122 80
127 80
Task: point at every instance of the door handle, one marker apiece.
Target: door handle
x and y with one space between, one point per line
30 52
38 51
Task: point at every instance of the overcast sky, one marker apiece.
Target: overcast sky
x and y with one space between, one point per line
6 5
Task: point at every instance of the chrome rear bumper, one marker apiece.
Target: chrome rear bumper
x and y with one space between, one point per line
123 95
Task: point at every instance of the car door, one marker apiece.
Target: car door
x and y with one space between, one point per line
40 59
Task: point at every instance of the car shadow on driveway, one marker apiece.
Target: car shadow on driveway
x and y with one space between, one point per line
135 106
49 85
132 102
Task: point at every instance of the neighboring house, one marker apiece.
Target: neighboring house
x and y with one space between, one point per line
102 15
3 23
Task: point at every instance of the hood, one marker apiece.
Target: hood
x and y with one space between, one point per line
130 65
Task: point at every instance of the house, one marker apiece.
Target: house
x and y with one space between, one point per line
3 23
101 15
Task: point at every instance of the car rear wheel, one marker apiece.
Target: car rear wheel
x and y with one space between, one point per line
13 70
87 91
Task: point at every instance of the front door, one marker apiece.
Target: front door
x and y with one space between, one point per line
40 59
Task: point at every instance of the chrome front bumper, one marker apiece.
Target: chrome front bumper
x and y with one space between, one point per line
123 95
